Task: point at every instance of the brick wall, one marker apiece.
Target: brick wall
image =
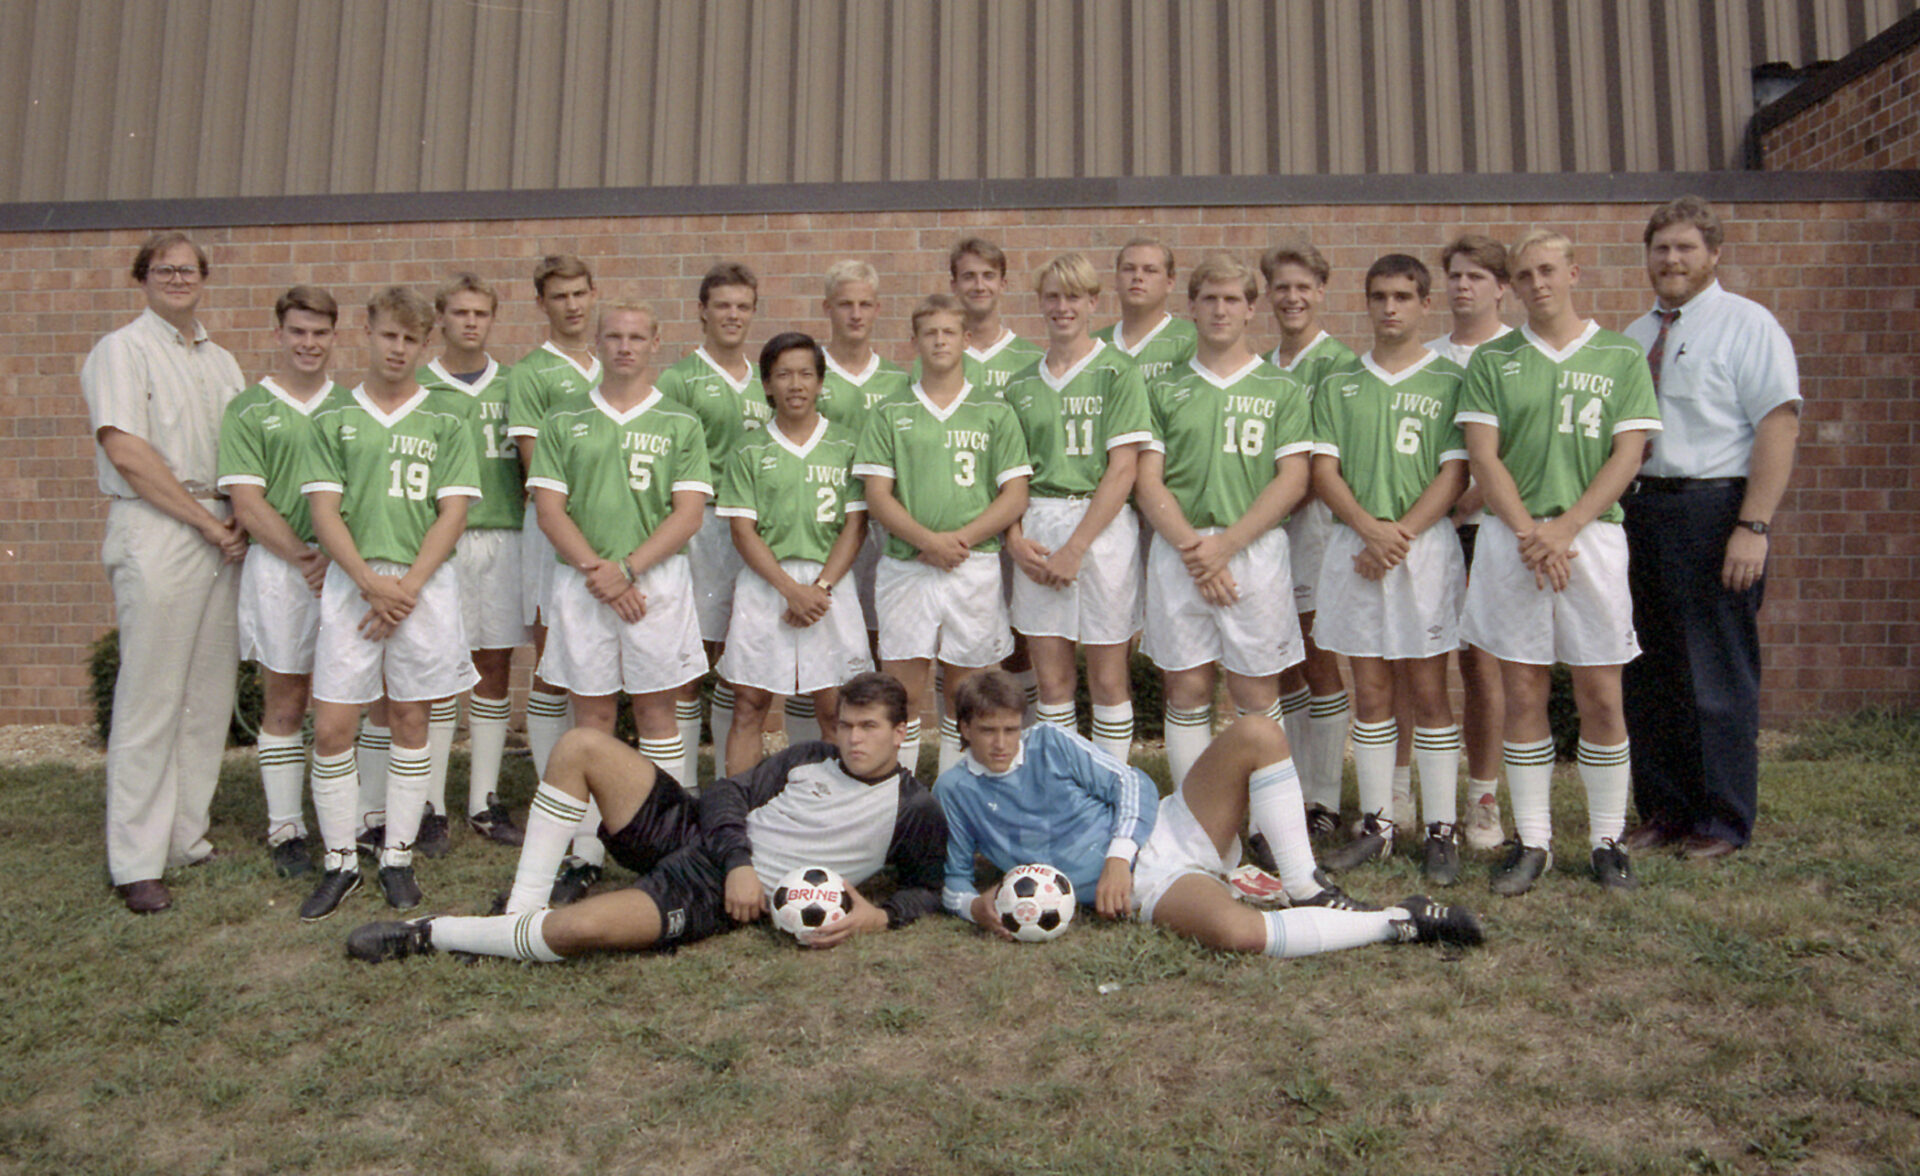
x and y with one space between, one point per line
1843 611
1870 124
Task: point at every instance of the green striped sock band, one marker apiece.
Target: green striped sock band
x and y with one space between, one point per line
1382 734
1529 754
542 705
1436 738
1325 706
445 710
499 709
1595 755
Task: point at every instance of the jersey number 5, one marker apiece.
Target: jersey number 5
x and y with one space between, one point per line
640 470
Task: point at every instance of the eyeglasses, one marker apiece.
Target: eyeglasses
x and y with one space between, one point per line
175 273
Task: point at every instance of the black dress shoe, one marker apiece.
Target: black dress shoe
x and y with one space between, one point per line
1698 848
146 897
1650 835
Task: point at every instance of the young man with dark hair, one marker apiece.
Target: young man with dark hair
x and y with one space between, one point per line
388 481
1313 700
710 864
977 269
264 440
1049 796
1557 416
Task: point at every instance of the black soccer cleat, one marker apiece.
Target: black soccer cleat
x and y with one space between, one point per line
1333 898
371 840
495 825
1440 855
1523 866
1375 842
575 881
1428 921
397 884
292 858
434 839
326 898
378 942
1611 869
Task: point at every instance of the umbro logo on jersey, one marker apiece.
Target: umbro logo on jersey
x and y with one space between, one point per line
348 432
581 429
902 424
1510 368
1349 389
769 461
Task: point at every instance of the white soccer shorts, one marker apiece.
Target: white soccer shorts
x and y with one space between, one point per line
537 562
1102 605
591 651
424 658
1177 847
716 564
865 564
1411 612
958 616
490 588
767 653
1590 623
279 614
1308 530
1258 636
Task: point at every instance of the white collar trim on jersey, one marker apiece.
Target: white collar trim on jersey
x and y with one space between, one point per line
474 389
1075 370
590 373
373 410
1392 378
980 769
1222 382
303 407
736 385
1120 335
941 414
984 354
648 401
1559 357
800 451
1298 355
865 374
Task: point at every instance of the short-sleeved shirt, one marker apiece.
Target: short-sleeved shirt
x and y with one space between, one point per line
1558 411
502 496
1073 420
264 440
847 397
392 470
1391 432
1460 353
543 380
990 368
1224 436
1314 360
1726 364
725 407
620 470
799 496
947 464
168 389
1168 345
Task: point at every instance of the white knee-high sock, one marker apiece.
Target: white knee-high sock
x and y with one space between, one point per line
674 758
1436 750
910 747
949 743
802 721
1373 766
1113 729
1030 683
1530 783
1607 776
336 789
1275 807
408 774
1327 721
441 723
1188 733
1293 718
552 819
1304 931
686 718
487 734
283 761
721 720
372 749
517 937
1061 714
548 718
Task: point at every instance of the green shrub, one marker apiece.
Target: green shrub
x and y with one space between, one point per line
104 667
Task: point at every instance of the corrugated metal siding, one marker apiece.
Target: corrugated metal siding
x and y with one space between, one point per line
113 99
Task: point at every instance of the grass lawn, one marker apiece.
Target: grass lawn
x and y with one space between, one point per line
1758 1015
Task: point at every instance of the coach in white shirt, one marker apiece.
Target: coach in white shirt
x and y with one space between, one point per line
156 389
1697 524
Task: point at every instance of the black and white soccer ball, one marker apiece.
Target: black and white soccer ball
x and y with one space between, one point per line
810 899
1035 903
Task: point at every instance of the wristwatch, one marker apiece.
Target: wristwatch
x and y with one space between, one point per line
824 585
1754 525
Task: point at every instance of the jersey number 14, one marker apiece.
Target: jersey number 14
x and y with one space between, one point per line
1589 417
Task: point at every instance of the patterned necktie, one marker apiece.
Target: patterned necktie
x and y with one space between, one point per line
1658 351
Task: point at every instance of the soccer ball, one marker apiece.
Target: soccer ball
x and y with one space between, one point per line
1035 903
810 899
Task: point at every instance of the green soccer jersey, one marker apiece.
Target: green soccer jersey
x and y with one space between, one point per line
847 397
620 471
725 408
798 496
544 378
391 471
947 464
1073 421
264 439
1558 411
990 369
1391 433
1166 346
1224 436
502 497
